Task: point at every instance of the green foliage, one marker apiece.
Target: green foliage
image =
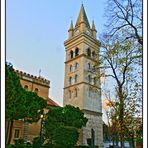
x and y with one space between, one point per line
85 146
82 146
89 141
13 87
139 141
21 104
61 125
10 146
19 143
65 136
37 142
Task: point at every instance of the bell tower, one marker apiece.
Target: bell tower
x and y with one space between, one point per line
81 88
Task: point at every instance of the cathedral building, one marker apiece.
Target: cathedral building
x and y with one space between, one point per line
81 88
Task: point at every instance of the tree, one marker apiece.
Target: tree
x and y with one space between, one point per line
21 104
62 124
125 15
119 64
122 58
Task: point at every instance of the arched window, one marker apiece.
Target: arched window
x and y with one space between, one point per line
76 66
36 90
75 93
89 52
89 78
76 78
76 52
26 87
70 94
70 68
70 80
89 66
71 54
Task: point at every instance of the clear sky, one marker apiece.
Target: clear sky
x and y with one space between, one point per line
36 31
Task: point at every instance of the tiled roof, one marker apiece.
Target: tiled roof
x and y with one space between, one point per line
51 102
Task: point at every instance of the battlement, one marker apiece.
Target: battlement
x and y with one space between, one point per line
32 78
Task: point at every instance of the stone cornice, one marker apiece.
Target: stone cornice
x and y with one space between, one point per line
73 85
92 112
81 55
83 34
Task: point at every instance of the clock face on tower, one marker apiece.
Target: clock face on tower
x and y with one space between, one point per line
88 32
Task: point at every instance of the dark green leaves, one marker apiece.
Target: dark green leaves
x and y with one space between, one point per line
62 124
21 104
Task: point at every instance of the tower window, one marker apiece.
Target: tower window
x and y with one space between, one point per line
16 133
70 94
70 80
75 93
76 78
89 66
36 90
71 54
70 68
89 52
89 78
76 66
26 87
77 52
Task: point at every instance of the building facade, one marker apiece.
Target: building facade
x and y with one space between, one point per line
21 129
81 87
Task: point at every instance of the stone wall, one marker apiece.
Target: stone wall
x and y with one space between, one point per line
95 123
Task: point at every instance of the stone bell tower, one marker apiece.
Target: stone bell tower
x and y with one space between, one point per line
81 88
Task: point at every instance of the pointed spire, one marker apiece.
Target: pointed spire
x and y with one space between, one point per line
82 17
71 29
93 25
71 25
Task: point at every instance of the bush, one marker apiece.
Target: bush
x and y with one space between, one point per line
20 143
10 146
89 141
85 146
37 142
82 146
139 141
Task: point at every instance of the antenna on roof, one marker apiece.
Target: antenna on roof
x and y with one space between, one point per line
39 72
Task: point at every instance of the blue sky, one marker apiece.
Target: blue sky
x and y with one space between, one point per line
36 31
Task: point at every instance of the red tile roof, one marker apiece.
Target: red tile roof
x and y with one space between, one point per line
51 102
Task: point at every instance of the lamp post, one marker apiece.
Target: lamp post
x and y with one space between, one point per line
41 128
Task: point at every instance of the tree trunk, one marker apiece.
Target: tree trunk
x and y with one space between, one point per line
7 128
113 143
116 141
122 142
121 116
133 143
10 132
